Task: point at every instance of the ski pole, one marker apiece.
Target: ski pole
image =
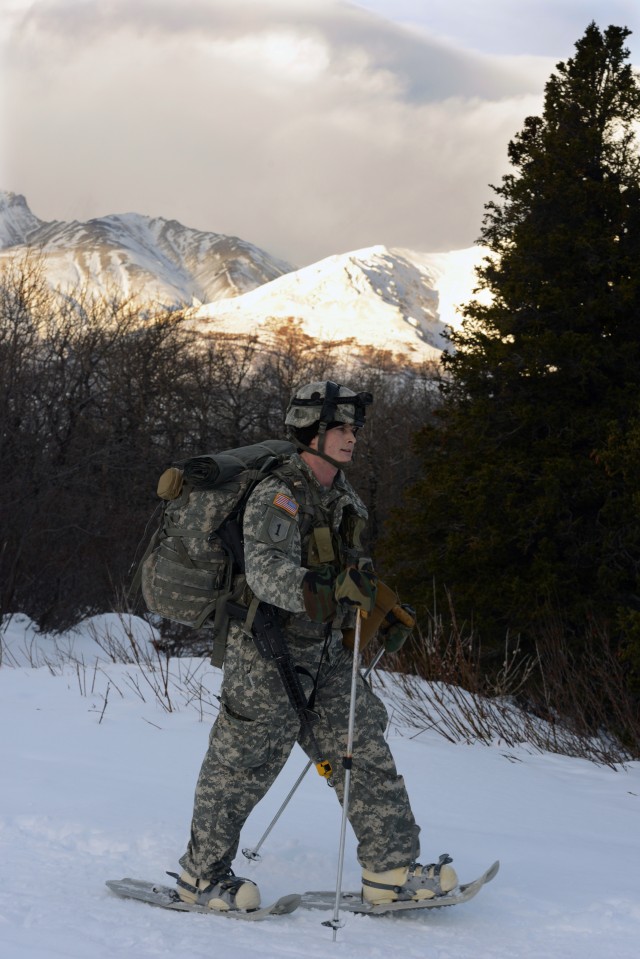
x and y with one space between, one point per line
254 854
347 763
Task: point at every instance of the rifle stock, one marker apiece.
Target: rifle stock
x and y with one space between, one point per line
271 644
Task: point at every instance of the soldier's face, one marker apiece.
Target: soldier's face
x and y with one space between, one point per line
339 443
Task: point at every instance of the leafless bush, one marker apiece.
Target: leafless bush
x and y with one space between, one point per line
173 683
552 701
98 395
584 686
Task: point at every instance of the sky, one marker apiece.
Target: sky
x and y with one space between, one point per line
307 127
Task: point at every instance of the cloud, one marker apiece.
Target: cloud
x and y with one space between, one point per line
307 127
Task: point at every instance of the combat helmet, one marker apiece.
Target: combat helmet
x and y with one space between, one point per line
316 407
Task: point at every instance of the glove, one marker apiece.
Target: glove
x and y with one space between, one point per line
317 594
396 627
356 588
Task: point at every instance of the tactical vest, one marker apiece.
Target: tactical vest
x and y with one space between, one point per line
331 529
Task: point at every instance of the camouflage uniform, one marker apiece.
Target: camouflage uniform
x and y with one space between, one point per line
257 727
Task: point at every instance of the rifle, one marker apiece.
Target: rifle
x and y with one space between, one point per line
266 632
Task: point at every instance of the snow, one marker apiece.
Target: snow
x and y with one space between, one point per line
454 279
97 781
160 260
17 222
385 298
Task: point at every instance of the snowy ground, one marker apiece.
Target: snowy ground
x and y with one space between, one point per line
92 790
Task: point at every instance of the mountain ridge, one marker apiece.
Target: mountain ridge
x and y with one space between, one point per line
375 297
170 262
394 299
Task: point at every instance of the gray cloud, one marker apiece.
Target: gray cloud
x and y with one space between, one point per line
307 127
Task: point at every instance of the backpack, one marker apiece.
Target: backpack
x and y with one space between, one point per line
188 574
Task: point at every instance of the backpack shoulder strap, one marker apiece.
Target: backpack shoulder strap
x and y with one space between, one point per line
301 491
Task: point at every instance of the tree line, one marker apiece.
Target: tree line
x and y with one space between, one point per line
527 512
98 395
503 487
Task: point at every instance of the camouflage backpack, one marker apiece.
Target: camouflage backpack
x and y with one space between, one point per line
190 570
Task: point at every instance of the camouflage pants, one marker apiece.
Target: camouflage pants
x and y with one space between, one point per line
253 735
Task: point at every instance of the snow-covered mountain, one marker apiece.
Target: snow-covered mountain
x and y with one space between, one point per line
158 259
394 299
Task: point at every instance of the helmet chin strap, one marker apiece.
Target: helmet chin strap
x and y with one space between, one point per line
322 454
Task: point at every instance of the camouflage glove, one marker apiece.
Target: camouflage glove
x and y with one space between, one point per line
356 588
397 627
317 594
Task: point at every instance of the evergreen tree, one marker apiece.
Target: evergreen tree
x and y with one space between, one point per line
520 515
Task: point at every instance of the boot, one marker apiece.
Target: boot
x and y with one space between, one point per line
409 882
222 892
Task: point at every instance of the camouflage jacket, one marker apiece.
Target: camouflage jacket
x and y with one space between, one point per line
291 524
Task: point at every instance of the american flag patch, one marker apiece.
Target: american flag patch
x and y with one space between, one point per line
286 503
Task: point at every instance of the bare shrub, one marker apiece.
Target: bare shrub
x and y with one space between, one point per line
552 701
173 682
99 394
154 676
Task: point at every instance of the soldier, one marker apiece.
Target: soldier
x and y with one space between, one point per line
302 527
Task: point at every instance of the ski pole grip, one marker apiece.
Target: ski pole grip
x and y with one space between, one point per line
402 615
386 602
